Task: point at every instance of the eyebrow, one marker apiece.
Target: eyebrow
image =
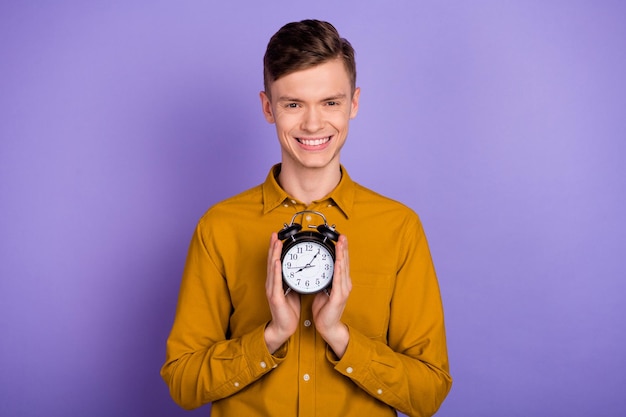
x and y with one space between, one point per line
331 98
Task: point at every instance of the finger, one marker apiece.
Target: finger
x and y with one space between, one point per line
293 299
343 265
278 277
346 268
270 252
273 262
346 254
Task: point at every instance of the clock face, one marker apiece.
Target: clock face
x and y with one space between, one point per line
307 266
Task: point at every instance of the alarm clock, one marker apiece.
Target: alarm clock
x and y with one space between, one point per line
308 256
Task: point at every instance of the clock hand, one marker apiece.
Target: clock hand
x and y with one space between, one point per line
301 267
309 264
318 252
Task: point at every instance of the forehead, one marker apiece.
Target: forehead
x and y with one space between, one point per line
329 78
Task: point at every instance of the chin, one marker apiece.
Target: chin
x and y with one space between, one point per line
316 164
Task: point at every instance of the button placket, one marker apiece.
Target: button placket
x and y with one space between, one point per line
307 358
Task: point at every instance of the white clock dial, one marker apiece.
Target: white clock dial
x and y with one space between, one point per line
307 267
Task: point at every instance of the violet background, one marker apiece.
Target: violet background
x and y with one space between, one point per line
500 122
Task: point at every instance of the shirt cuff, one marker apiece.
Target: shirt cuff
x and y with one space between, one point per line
258 356
355 361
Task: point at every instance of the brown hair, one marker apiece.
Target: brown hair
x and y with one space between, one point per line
301 45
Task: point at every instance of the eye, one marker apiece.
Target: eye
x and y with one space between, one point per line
332 103
292 105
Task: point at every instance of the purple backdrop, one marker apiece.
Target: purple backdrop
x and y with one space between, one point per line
501 123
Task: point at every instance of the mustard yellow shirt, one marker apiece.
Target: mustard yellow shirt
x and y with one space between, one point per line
396 358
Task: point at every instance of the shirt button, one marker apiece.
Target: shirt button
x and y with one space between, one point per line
307 323
379 392
349 369
236 384
308 217
293 202
306 377
263 365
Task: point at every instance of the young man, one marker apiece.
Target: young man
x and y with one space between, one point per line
375 343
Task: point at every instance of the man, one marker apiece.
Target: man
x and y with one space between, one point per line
375 343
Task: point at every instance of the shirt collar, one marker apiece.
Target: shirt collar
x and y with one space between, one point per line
342 195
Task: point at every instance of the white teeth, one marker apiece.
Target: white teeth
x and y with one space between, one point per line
313 142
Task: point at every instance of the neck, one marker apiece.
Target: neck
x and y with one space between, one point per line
308 185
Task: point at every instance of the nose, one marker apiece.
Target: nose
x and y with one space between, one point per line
312 120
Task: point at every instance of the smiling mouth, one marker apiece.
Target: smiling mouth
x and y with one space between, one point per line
313 142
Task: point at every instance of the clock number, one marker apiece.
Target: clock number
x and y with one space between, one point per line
293 256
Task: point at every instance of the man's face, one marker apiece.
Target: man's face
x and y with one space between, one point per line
312 109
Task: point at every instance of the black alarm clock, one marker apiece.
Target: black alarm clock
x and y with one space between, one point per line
308 256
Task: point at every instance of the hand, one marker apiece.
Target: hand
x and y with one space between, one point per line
328 309
285 309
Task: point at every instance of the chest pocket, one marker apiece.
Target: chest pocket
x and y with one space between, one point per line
368 307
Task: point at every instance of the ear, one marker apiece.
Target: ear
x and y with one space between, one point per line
266 106
354 105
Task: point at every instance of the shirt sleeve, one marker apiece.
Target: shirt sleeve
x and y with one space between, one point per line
410 372
202 363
